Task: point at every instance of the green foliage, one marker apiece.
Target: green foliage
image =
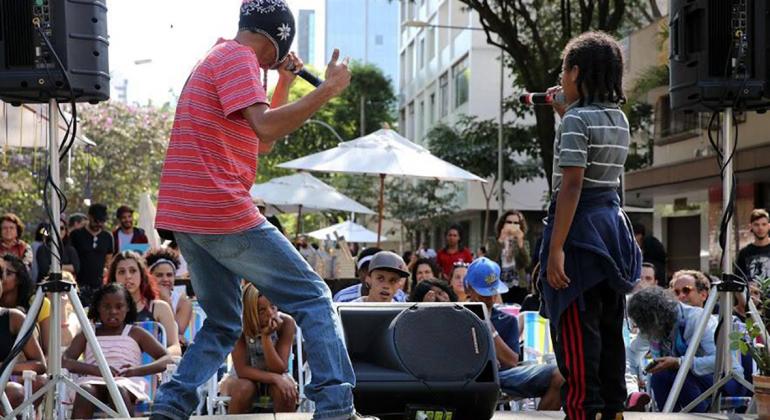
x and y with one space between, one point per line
419 204
472 144
22 174
752 341
343 115
127 160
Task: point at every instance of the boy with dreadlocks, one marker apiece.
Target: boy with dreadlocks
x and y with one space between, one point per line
589 257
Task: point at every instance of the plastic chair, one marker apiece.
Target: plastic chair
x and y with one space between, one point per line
196 322
537 345
159 332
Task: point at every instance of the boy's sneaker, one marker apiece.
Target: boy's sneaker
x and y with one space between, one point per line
637 401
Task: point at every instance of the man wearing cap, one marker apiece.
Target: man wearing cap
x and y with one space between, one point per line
95 247
354 292
224 121
532 381
387 272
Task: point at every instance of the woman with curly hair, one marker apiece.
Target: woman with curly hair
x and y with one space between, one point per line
163 263
667 327
129 269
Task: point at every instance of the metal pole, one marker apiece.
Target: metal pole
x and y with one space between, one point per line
363 116
727 184
54 349
500 174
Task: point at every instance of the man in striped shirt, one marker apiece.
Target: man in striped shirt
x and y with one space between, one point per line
223 122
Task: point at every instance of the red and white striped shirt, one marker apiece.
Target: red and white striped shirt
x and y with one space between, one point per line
211 161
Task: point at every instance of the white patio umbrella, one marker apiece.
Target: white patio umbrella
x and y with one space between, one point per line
302 192
26 126
383 153
351 231
147 219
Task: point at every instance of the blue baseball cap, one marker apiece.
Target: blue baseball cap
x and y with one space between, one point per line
483 276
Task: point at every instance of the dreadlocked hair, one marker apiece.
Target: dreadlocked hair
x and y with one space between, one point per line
600 60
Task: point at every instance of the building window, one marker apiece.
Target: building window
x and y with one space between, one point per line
432 109
461 78
431 41
421 53
378 40
443 86
421 120
410 121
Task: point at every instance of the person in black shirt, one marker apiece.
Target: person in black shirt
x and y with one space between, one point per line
95 247
753 260
653 252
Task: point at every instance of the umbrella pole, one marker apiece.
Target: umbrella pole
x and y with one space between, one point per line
381 208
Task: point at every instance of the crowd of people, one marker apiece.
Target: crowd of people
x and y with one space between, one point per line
121 287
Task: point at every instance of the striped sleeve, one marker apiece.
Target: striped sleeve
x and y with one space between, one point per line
236 78
573 142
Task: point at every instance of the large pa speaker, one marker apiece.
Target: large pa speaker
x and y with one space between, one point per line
77 30
434 357
719 52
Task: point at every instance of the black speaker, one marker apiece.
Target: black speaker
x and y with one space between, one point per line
429 357
719 53
77 30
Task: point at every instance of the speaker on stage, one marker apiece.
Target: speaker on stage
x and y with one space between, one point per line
77 31
411 357
719 54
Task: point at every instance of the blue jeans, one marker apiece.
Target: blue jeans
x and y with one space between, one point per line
694 386
263 256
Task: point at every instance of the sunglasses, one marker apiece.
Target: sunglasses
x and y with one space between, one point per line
460 264
508 222
683 291
5 273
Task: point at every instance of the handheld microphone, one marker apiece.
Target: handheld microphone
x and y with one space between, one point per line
309 77
542 98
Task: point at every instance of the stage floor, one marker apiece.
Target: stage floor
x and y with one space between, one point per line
507 415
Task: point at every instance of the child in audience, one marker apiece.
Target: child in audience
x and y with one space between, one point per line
457 280
433 290
387 270
10 324
129 269
113 310
261 357
163 264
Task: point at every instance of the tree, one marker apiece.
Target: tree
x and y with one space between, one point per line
127 161
22 176
419 203
534 33
472 145
342 114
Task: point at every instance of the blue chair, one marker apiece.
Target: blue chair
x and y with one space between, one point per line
159 332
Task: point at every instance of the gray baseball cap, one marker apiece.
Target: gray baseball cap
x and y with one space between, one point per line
388 261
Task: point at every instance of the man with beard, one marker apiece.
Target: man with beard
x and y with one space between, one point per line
126 233
753 261
95 247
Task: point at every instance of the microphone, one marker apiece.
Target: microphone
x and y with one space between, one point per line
542 98
309 77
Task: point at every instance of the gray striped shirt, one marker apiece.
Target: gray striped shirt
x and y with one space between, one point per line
594 137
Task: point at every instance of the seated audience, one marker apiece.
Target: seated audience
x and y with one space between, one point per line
113 310
19 293
11 320
667 327
163 263
433 290
423 269
129 269
387 271
11 229
647 278
530 381
70 261
355 291
457 280
261 357
691 287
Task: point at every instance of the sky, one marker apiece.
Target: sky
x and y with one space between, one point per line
167 38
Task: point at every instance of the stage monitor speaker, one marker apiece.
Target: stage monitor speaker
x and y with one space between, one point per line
719 52
77 30
415 356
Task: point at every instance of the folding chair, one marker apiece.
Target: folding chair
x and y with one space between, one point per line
536 343
159 332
